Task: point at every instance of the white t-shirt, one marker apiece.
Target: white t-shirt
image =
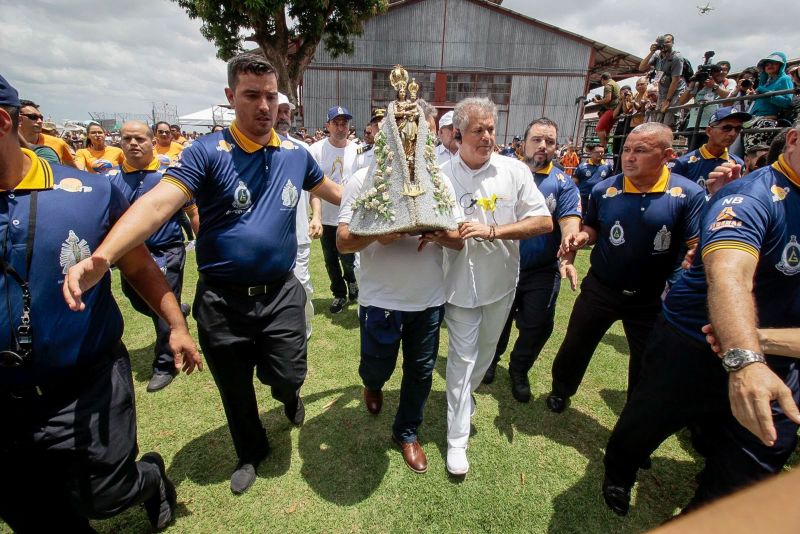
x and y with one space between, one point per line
443 155
396 276
302 205
482 272
337 164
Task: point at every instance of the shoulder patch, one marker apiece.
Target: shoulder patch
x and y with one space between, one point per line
72 185
779 193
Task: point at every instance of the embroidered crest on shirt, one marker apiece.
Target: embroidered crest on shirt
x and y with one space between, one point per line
223 146
726 218
778 193
693 159
241 198
73 250
611 192
790 258
617 235
551 203
72 185
677 192
663 239
289 195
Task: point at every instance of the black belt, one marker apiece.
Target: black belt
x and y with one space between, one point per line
247 291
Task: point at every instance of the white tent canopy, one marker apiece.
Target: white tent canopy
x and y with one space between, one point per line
213 116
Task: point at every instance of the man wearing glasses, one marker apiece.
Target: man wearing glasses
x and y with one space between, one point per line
165 149
722 130
30 126
68 442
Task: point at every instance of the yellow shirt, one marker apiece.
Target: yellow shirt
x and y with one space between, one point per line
60 146
99 161
167 155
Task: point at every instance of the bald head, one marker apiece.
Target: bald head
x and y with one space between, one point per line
137 144
647 148
658 133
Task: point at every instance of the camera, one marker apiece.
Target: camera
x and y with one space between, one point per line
660 41
746 84
706 70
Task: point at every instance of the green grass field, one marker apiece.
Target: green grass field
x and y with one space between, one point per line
531 470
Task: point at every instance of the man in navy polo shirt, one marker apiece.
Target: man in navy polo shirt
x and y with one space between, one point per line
590 173
638 222
68 441
540 270
249 306
139 173
743 410
722 130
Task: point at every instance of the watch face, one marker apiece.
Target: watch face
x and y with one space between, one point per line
734 360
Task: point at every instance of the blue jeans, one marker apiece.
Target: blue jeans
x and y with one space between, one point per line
381 333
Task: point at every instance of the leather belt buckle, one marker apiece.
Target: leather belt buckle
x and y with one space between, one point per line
256 290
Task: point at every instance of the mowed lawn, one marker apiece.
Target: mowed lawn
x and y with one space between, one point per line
531 470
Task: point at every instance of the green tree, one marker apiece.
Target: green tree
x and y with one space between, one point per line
288 32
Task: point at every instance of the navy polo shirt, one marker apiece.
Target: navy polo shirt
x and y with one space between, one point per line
563 201
134 183
758 214
75 210
698 163
640 235
247 197
589 175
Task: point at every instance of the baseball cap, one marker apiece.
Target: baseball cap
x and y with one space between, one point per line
377 114
729 113
446 120
8 95
338 111
283 99
756 148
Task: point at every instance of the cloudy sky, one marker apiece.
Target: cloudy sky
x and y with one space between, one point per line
91 55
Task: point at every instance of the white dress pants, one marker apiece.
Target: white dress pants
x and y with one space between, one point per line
302 274
473 336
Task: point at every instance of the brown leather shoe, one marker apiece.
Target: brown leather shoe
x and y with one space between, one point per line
413 455
373 400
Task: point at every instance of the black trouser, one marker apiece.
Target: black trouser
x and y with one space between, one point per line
172 261
595 310
340 267
69 454
186 225
683 384
241 334
534 309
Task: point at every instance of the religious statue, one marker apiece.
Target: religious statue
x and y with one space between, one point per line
404 191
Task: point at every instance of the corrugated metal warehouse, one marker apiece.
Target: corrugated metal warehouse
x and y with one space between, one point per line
461 48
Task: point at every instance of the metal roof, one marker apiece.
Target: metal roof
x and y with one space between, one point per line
604 58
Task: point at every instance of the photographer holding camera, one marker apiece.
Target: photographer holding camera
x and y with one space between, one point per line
707 85
668 67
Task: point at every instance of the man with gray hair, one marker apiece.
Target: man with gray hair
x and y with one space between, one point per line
501 205
638 221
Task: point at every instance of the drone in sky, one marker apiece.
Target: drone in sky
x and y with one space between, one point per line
705 9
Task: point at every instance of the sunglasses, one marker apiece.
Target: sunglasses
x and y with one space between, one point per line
33 116
163 132
727 128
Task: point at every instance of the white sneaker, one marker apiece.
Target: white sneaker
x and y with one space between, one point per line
457 463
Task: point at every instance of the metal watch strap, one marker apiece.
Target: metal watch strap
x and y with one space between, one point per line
737 359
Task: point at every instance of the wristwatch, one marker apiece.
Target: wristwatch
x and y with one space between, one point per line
715 87
738 359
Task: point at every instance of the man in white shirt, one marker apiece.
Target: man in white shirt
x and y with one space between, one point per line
501 205
366 153
306 231
401 299
337 156
449 146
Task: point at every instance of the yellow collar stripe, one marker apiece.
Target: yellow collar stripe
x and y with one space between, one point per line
705 154
250 146
546 170
660 186
38 177
154 165
782 166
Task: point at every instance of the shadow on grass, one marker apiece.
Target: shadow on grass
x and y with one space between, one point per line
614 399
142 361
347 318
619 342
583 503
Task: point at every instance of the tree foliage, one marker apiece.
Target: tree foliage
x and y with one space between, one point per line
288 32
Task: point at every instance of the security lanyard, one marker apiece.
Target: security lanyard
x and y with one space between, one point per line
23 338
